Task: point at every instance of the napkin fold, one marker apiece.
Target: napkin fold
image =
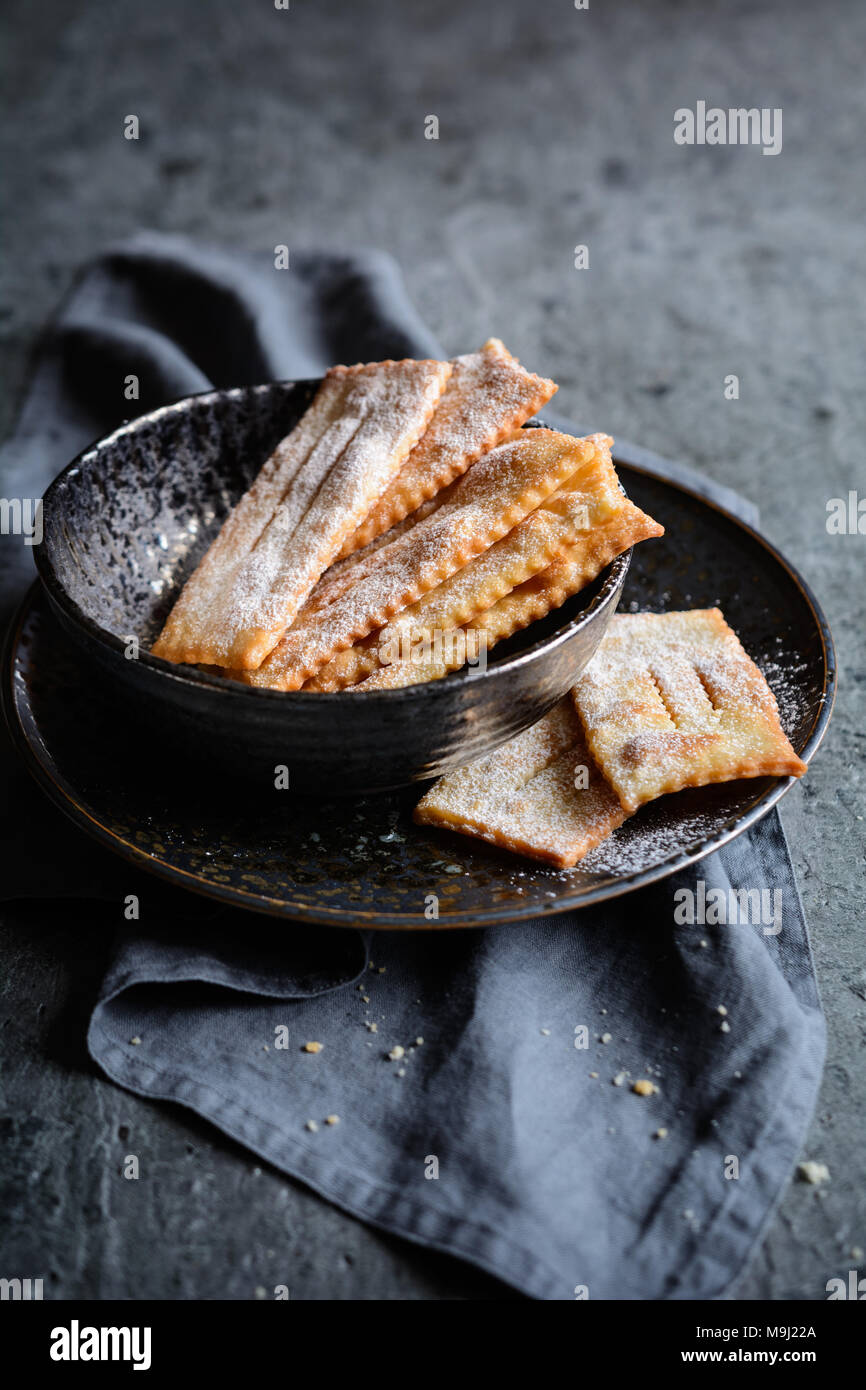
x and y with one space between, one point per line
506 1131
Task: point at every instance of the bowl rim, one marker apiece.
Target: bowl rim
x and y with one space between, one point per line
612 578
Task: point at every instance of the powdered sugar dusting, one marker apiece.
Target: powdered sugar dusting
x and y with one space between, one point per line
492 498
539 795
488 396
672 700
650 839
495 597
318 484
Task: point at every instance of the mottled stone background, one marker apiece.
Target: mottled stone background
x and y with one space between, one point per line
261 126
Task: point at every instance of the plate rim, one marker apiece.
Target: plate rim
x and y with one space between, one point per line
63 795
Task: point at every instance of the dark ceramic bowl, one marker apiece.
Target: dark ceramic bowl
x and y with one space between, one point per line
126 523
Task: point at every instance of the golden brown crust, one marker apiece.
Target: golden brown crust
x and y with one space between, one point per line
488 396
308 497
493 497
671 700
612 524
342 574
540 795
531 546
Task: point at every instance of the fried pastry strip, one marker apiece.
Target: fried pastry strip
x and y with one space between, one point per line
498 492
342 574
613 524
539 795
671 700
308 498
488 396
531 546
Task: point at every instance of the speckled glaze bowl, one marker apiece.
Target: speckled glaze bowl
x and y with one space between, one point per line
127 522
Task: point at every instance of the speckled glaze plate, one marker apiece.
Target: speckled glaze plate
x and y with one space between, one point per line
362 862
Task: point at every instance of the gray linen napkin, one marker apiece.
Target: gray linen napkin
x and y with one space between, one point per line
499 1138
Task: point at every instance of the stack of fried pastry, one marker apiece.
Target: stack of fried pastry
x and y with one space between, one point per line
408 504
670 700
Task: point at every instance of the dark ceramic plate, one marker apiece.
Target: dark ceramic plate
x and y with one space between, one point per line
126 523
363 862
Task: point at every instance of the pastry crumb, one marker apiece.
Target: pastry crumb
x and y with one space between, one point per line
312 1047
332 1119
619 1079
644 1088
135 1042
312 1126
661 1133
813 1172
396 1053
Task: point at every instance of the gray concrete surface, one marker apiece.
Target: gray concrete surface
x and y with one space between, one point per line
556 128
